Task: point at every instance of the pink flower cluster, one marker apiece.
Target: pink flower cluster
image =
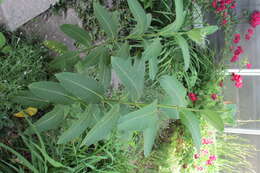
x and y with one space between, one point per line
239 50
221 6
238 79
255 19
193 97
206 141
211 160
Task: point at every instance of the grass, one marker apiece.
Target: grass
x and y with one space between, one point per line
25 63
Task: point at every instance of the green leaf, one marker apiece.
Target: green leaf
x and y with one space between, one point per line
81 86
56 46
2 40
198 34
27 98
22 160
140 119
170 112
124 51
105 69
214 118
170 29
93 58
52 92
185 50
153 50
139 16
66 61
149 138
174 89
106 20
49 121
192 124
76 33
131 76
103 127
153 67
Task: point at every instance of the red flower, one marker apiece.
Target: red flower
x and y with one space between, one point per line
239 84
214 4
248 66
250 31
214 96
234 58
237 38
207 141
221 83
224 22
238 79
255 19
239 50
193 97
234 5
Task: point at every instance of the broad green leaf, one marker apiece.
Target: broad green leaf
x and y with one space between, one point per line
93 58
56 46
81 86
86 120
77 33
209 29
2 40
153 67
140 119
26 98
192 124
106 20
174 89
177 24
185 50
50 120
153 50
66 61
103 127
139 15
149 138
213 118
131 76
23 160
51 91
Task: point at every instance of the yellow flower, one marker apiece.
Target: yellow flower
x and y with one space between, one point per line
29 111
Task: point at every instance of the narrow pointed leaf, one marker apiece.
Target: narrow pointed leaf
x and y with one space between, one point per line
77 33
185 50
103 127
214 119
140 119
192 124
65 61
50 120
51 91
106 20
81 86
124 51
93 58
153 67
27 98
149 138
170 112
2 40
131 76
139 15
177 24
76 128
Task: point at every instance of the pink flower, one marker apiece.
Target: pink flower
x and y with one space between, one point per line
207 141
214 96
237 38
234 5
221 83
255 19
193 97
214 4
247 37
199 168
213 157
238 79
250 31
204 152
224 22
248 66
209 162
239 84
196 156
